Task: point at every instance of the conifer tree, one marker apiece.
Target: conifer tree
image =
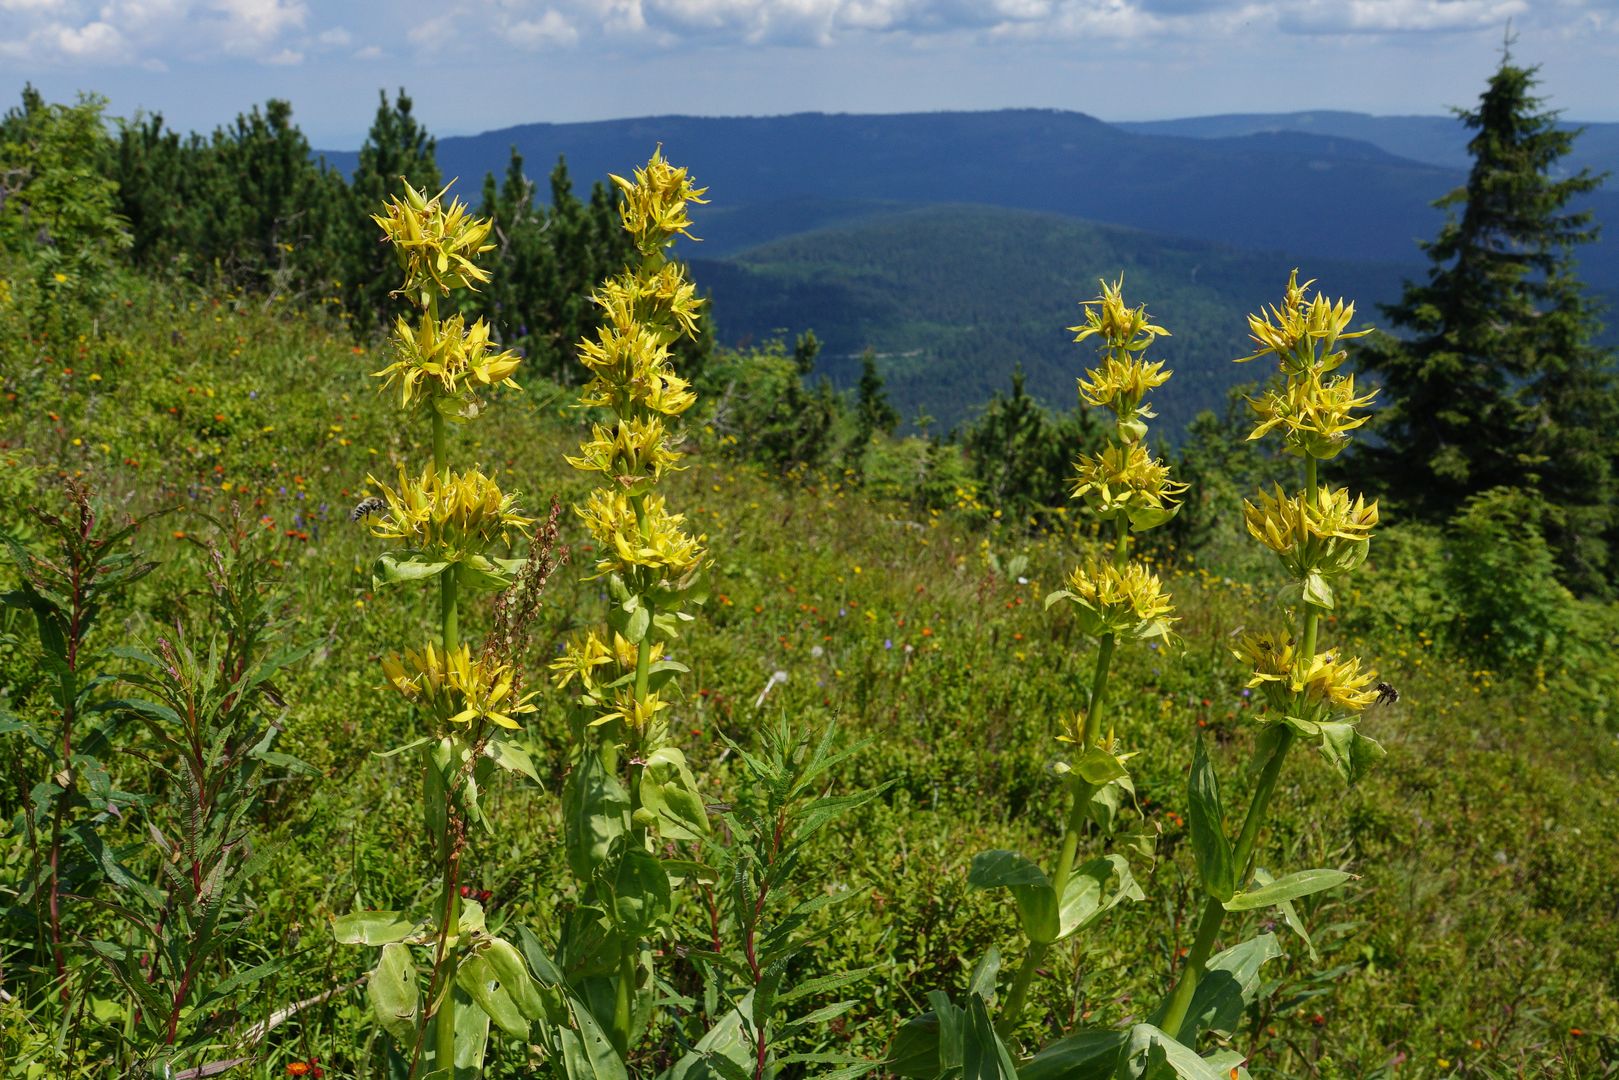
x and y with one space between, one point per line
1498 383
396 146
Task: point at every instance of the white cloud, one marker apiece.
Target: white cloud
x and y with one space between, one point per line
95 41
551 29
181 33
1397 16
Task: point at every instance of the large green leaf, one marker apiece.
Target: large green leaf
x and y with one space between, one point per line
471 1037
1085 1055
372 927
727 1041
641 893
1350 752
532 1000
1036 899
1151 1055
393 567
914 1050
1227 987
1206 818
669 794
587 1053
394 994
1290 887
488 992
1095 888
596 811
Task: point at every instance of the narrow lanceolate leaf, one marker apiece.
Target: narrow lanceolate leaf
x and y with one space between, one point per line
1290 887
822 984
1206 817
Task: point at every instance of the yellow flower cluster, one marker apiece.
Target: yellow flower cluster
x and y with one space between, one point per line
1125 479
583 657
654 204
1303 332
1312 688
629 452
1329 537
446 358
651 538
435 243
644 311
1124 376
452 517
1313 409
1120 327
1118 600
456 688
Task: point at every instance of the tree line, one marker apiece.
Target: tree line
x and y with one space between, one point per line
1494 399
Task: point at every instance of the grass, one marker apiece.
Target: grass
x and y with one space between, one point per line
1479 939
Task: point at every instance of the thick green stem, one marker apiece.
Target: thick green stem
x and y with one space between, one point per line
444 1019
1093 715
450 905
1208 927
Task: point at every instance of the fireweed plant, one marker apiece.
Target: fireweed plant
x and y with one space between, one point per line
1126 490
630 795
449 527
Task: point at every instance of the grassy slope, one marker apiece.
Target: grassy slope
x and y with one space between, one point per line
1483 927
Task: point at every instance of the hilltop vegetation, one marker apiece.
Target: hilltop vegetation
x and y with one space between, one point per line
1478 939
946 294
696 792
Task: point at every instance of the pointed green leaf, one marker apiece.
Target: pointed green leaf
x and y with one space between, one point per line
1206 817
1290 887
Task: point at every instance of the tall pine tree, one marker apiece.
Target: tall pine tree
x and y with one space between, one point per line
1498 383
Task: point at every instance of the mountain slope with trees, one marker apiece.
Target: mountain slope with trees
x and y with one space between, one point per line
952 298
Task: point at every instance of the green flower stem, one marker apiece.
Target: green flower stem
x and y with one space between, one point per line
623 995
1208 927
449 620
1081 793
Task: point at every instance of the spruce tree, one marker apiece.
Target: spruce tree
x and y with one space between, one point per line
396 146
1498 383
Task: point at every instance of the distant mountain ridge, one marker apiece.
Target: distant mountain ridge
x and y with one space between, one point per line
951 297
1437 140
959 243
1312 195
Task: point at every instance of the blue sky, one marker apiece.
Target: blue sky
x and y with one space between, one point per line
474 65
